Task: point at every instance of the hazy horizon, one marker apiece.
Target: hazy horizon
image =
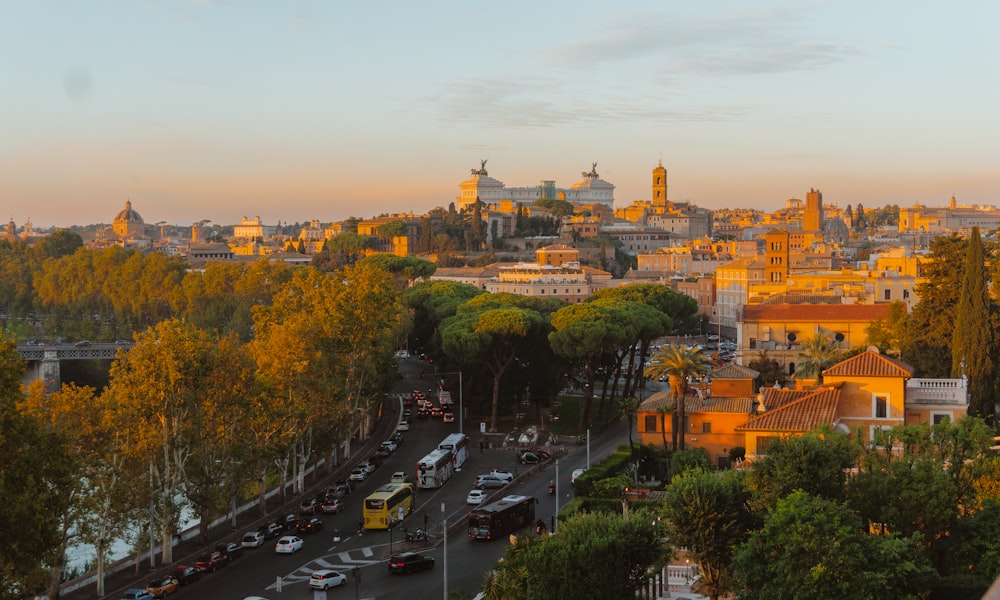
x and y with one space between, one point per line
292 111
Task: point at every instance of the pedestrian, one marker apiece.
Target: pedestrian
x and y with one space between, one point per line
482 446
361 524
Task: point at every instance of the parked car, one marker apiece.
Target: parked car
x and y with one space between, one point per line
397 436
325 579
403 426
311 525
161 588
382 452
230 549
359 474
185 574
476 497
399 477
271 530
288 544
252 539
211 562
530 458
309 506
332 506
490 481
505 475
410 562
137 594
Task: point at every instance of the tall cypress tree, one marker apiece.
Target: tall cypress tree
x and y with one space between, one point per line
477 226
972 339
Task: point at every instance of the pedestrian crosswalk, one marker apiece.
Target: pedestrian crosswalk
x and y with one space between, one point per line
345 562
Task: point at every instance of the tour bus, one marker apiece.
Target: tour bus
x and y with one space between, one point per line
458 443
387 505
501 518
445 399
435 469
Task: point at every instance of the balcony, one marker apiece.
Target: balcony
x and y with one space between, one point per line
937 392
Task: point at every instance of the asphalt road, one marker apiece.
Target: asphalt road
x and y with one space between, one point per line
257 573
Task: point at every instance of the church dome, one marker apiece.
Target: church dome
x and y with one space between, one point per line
128 215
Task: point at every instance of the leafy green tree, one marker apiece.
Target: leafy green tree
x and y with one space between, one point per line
36 481
586 335
887 333
562 566
818 353
690 459
815 463
931 323
812 548
628 407
57 244
391 229
708 513
972 341
492 337
680 364
770 370
431 302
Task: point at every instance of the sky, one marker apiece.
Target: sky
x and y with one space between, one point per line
293 110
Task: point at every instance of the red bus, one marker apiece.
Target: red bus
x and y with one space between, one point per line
502 517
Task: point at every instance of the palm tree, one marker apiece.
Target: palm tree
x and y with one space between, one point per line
664 410
818 353
628 407
679 364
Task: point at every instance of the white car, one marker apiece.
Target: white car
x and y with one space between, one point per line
576 473
390 445
252 539
359 474
288 544
403 426
325 579
505 475
399 477
476 497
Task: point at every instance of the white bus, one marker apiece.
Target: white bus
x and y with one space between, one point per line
435 469
458 443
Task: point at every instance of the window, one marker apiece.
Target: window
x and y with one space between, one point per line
649 423
880 407
763 442
888 294
938 418
906 294
706 427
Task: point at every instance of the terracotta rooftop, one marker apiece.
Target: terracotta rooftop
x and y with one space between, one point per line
870 364
815 312
734 371
775 397
817 408
721 404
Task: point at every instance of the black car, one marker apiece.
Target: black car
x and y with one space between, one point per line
383 452
397 436
311 525
231 549
271 530
409 562
185 574
289 521
337 491
345 482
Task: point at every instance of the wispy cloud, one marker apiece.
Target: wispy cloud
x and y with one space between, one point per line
763 40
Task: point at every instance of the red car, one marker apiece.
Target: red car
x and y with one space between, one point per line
209 563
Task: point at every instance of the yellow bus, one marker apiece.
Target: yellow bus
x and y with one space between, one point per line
388 505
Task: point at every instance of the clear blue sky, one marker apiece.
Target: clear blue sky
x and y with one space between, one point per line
322 110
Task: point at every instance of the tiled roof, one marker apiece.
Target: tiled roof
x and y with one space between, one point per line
693 404
734 371
819 407
815 312
870 364
775 397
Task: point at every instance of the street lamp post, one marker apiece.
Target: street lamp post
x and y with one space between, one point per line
444 527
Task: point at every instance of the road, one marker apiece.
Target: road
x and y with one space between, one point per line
365 553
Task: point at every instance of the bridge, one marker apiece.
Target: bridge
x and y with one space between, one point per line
44 358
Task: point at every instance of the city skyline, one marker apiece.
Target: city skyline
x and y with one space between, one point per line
209 110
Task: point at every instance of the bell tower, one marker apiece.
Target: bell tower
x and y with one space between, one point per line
660 186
